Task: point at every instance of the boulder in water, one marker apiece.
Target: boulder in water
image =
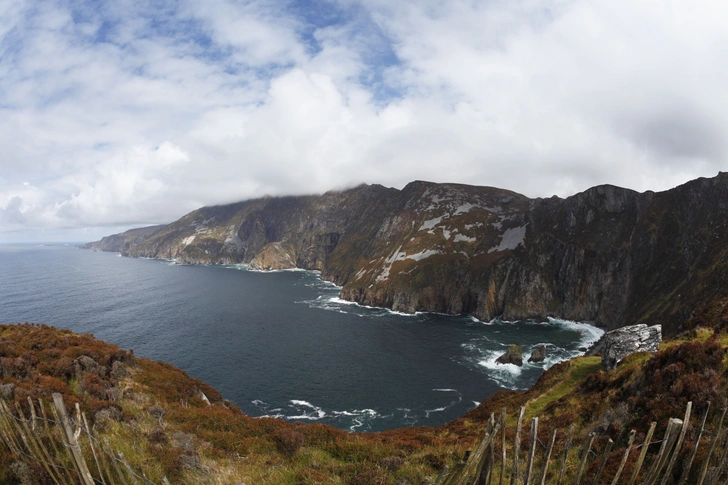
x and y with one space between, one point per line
538 355
513 356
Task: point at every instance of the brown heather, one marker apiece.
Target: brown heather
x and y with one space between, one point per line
156 414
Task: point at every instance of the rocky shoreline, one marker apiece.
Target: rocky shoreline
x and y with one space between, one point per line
608 255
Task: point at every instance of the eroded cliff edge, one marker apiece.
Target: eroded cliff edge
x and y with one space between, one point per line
607 255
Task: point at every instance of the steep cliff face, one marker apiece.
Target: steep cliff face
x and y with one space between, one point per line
607 255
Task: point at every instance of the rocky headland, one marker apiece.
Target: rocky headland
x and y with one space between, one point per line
607 255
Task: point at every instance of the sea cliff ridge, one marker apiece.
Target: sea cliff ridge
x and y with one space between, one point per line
608 255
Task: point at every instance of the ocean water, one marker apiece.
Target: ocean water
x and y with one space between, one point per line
280 343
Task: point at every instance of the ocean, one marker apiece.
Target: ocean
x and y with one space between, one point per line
281 343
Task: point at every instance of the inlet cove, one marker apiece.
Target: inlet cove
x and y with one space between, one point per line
282 343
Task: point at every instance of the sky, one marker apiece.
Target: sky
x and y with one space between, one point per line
125 113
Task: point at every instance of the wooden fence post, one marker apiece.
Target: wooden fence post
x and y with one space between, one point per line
713 443
624 457
34 444
567 447
532 450
441 475
488 478
6 430
667 441
516 446
643 453
76 452
678 445
547 458
605 457
694 451
106 446
93 450
584 456
503 445
53 432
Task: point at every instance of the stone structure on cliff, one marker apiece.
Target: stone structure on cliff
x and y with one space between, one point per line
624 341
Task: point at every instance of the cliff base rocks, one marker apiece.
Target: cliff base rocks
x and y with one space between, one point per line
622 342
513 356
538 355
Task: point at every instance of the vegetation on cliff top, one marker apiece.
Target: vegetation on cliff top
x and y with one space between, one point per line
161 420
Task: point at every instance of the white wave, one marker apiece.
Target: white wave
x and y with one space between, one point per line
239 267
505 375
445 390
436 410
476 404
318 413
590 333
303 403
340 301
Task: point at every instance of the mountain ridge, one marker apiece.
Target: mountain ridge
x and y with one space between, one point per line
607 255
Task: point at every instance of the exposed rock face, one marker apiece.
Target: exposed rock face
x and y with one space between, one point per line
622 342
513 356
274 256
608 255
538 355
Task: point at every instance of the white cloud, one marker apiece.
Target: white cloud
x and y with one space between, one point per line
119 113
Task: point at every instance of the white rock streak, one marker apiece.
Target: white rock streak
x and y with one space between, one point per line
511 239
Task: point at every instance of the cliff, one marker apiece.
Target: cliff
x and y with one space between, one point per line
608 255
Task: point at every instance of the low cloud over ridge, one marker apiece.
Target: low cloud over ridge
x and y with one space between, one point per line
117 113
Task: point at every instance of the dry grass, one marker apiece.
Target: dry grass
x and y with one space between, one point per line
165 429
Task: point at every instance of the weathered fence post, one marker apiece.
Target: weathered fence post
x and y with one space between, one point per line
33 443
584 456
503 445
667 441
83 471
678 445
713 443
516 446
93 450
605 457
567 447
531 451
624 457
694 451
547 458
643 453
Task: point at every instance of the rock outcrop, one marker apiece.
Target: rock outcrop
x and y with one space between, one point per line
608 255
513 356
622 342
274 256
538 355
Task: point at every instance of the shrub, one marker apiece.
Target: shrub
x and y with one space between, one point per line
370 475
157 435
288 441
94 386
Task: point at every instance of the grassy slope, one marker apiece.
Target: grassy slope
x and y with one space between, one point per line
195 443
